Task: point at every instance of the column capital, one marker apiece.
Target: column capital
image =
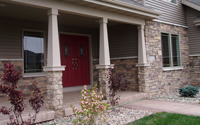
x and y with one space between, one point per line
52 11
139 27
103 20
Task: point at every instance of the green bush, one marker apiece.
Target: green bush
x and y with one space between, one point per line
189 91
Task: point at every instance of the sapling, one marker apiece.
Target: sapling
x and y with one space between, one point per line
10 79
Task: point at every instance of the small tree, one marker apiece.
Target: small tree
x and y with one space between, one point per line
116 83
10 80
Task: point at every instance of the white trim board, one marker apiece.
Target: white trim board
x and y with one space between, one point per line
190 4
130 57
11 59
194 55
66 7
169 23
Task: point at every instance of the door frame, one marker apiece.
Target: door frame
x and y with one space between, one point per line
77 88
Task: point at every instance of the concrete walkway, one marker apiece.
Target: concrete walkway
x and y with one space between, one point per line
167 106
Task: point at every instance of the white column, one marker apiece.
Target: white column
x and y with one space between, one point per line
53 54
142 59
104 53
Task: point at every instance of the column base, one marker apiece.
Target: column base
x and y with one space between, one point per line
105 66
55 93
103 82
142 64
53 68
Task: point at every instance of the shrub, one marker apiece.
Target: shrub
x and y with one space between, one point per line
92 107
189 91
10 80
116 83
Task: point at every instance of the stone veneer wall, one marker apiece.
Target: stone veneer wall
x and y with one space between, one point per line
195 70
122 65
25 83
153 79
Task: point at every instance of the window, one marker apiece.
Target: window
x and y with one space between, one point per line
171 1
33 51
170 50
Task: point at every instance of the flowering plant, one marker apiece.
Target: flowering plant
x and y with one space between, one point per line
92 107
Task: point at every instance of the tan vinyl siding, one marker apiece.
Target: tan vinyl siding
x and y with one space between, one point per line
123 40
193 31
11 36
172 13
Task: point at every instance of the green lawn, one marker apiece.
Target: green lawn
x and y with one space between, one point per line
164 118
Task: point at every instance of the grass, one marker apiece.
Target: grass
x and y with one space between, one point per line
164 118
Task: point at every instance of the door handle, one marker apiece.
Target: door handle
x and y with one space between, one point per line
76 65
73 65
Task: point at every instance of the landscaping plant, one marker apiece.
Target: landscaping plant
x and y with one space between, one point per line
10 80
189 91
116 83
92 107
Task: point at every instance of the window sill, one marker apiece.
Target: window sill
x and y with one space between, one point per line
172 68
33 75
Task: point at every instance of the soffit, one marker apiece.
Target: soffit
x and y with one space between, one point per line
127 8
192 3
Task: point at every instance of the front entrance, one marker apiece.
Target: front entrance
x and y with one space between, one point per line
75 56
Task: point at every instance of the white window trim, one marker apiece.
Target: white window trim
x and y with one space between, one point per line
45 56
168 1
172 67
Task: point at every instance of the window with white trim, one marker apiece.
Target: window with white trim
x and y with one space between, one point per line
171 1
170 50
33 51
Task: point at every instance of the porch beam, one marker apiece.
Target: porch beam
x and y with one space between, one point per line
104 53
142 59
82 10
53 55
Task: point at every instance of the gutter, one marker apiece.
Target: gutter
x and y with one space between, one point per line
132 6
190 4
197 23
127 7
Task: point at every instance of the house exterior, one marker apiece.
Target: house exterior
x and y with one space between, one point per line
65 44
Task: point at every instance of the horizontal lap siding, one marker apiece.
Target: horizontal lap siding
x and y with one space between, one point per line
11 36
123 40
193 31
172 13
10 43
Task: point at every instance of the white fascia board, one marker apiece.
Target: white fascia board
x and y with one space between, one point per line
80 10
142 11
197 23
190 4
132 6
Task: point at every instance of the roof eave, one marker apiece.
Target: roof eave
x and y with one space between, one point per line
197 23
151 14
190 4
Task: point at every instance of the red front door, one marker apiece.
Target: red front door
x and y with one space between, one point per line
75 56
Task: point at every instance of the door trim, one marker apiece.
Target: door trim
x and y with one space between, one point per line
77 88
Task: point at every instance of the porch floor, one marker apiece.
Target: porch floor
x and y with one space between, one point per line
68 99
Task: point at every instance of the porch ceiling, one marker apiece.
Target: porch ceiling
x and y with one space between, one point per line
28 13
